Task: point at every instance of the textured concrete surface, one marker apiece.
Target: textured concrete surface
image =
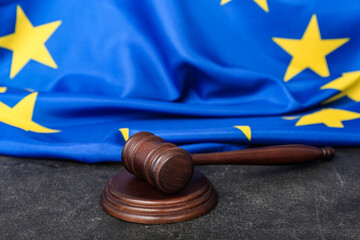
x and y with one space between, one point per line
55 199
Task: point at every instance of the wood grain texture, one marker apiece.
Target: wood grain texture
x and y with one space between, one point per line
274 155
130 199
169 168
164 165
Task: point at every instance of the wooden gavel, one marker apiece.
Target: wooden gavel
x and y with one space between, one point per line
169 168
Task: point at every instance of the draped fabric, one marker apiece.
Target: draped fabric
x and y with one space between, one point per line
79 77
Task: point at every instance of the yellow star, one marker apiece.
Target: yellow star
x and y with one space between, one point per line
329 116
28 42
262 3
246 130
223 2
310 51
20 115
3 89
348 85
125 133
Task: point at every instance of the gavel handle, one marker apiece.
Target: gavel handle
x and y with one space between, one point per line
286 154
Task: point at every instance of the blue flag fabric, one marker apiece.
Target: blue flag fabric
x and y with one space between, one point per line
79 77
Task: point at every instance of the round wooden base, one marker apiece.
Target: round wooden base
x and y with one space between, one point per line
133 200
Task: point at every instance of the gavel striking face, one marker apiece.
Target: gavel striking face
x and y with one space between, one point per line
169 168
164 165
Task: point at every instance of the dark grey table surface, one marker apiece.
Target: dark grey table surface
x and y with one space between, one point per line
59 199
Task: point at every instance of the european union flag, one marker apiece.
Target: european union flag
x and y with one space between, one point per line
79 77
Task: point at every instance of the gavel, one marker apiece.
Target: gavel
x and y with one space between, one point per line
169 168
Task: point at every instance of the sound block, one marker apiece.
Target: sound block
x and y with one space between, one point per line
130 199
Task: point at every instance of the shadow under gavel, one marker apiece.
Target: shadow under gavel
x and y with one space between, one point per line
169 168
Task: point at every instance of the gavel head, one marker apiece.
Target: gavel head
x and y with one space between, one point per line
164 165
